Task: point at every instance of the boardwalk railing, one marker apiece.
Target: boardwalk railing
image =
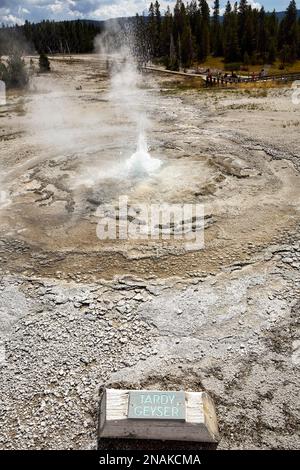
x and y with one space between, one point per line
228 78
213 79
280 77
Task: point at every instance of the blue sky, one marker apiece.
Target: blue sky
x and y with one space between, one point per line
15 11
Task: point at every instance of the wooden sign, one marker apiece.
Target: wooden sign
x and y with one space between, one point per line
162 415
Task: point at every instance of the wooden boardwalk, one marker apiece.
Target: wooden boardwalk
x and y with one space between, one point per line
172 72
280 77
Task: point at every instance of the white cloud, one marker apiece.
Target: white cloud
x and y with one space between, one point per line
57 7
11 20
35 10
127 8
254 4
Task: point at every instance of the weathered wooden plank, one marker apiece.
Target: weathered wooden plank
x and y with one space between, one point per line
200 422
174 72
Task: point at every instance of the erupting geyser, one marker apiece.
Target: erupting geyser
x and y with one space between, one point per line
141 162
128 95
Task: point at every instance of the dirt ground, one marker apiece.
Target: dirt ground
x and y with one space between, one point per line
78 313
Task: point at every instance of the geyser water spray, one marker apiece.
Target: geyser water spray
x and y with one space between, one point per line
127 94
141 161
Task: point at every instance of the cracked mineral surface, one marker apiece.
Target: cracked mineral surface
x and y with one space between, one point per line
78 313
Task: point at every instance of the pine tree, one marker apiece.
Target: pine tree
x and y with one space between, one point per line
248 38
242 18
231 42
157 38
272 41
44 63
173 63
166 32
187 45
204 39
262 36
216 33
289 34
152 28
16 75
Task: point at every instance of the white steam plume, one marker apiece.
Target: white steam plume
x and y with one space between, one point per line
127 94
